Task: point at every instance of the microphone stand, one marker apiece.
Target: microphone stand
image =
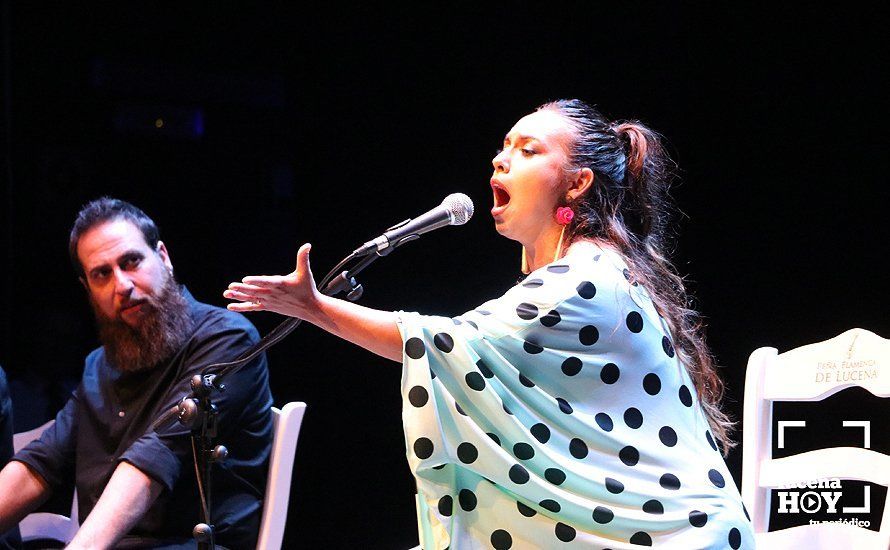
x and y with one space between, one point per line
198 412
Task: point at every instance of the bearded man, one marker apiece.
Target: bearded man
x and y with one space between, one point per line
136 488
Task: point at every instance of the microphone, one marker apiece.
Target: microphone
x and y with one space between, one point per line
456 209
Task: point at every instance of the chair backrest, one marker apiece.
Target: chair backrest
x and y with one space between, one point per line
287 422
811 373
44 525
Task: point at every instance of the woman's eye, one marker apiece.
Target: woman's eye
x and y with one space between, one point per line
528 152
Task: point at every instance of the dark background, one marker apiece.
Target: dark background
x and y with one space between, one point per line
286 126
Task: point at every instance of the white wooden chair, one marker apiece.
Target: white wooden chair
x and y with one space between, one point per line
286 430
808 373
45 525
287 422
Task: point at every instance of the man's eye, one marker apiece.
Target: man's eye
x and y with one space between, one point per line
131 263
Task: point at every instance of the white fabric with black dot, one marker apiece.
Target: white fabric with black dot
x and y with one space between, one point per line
558 415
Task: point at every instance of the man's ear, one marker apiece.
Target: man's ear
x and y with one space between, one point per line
85 285
165 256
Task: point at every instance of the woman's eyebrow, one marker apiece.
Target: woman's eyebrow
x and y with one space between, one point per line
520 137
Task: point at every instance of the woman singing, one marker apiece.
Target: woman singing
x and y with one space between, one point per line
583 405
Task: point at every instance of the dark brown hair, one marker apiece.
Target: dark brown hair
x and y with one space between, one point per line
106 209
628 206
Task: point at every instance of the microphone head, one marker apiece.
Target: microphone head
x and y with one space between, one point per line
460 208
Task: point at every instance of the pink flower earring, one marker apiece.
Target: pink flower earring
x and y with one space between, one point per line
564 216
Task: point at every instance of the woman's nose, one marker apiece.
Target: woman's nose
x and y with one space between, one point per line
501 162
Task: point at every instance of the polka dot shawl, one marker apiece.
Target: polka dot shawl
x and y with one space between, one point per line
559 415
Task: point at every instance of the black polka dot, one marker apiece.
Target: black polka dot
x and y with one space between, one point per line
541 432
604 421
734 538
467 453
564 405
446 504
610 373
554 476
746 512
601 514
518 474
716 478
626 273
641 539
652 383
571 366
494 438
439 467
483 312
669 482
653 507
483 368
697 518
551 319
551 505
475 381
456 321
564 532
558 268
711 441
597 257
432 375
523 451
668 436
667 346
467 500
685 396
629 455
423 448
525 510
444 342
527 311
472 324
633 418
533 283
414 348
614 486
507 409
578 448
418 396
501 540
586 290
525 381
532 348
634 321
459 409
589 335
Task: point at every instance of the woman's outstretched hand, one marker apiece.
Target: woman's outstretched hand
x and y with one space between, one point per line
293 294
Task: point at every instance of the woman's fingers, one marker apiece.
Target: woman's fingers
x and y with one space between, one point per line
303 259
264 281
238 295
244 307
250 289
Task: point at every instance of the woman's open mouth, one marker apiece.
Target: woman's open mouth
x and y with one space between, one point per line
501 198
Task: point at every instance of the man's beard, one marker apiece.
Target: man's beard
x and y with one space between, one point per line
159 334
